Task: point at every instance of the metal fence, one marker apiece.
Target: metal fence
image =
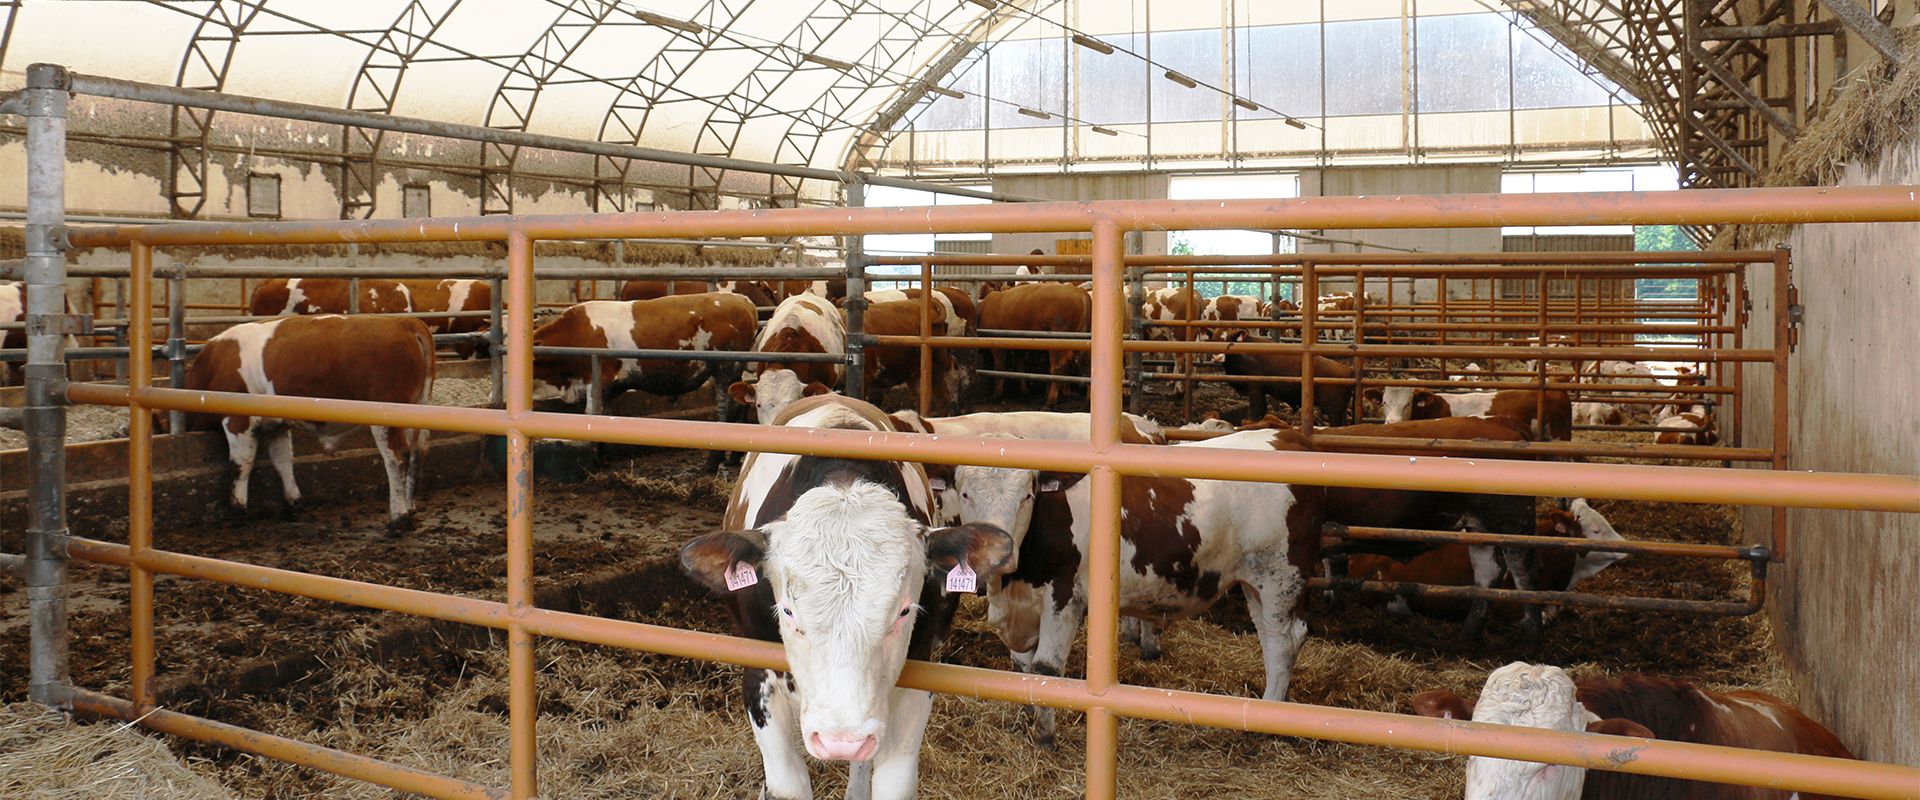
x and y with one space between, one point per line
1105 458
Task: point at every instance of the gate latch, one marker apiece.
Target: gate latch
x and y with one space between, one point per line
59 324
1796 316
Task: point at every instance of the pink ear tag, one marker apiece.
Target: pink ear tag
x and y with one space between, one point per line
741 576
961 578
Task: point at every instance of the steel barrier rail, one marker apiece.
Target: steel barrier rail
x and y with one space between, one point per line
1669 605
1104 458
1580 259
481 272
1847 491
1342 350
1720 206
1863 779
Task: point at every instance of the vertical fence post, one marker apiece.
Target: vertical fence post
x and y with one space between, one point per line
1186 359
522 707
926 330
1103 551
1359 340
856 305
1540 370
1136 387
1309 340
1738 314
176 341
140 476
45 416
1782 340
495 337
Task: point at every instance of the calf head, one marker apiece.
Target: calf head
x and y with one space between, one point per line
1590 524
846 568
773 392
1016 607
1533 696
1396 403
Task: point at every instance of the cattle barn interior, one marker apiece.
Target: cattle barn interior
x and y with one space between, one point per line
959 398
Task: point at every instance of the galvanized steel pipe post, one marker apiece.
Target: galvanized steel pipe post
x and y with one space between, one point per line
44 102
855 383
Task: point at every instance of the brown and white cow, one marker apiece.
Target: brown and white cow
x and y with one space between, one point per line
13 308
1428 510
1597 413
1169 304
281 296
1453 564
1544 696
758 292
1184 543
1042 307
839 562
1693 426
1232 308
1332 402
803 323
373 359
892 365
705 322
1402 403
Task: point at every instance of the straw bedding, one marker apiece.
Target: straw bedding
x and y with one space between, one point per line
44 755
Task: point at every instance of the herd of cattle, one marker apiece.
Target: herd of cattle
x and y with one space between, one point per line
854 566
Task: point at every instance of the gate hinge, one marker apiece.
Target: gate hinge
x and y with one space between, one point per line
59 324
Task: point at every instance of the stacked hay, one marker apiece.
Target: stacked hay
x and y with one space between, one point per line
1872 111
44 755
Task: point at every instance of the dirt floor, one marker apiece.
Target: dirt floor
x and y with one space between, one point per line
619 724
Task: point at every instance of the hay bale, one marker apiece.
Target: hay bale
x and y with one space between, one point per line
1873 111
45 755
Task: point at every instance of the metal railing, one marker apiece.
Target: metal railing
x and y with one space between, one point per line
1100 695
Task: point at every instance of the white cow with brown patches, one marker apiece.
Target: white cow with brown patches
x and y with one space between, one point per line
803 323
706 322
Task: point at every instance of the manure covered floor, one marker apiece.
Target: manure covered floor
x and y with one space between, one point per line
617 724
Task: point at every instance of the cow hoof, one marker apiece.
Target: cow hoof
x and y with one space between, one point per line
292 509
400 525
1149 654
1046 742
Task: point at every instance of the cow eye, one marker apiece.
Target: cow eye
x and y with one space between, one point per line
906 611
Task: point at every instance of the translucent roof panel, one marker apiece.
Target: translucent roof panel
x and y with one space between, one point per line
953 85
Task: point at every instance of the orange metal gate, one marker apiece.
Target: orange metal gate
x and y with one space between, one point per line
1105 459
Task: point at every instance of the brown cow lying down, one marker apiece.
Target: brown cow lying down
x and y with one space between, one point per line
1542 696
373 359
1453 564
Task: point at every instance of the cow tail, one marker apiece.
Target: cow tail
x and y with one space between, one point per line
420 436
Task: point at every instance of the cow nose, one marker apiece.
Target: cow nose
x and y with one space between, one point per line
841 747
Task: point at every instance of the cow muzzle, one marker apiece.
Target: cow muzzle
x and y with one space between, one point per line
838 746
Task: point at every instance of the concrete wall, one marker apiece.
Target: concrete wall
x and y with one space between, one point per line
1846 604
1117 186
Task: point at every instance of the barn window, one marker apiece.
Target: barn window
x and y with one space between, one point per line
263 195
416 200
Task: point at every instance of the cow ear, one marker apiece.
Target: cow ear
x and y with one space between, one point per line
985 549
815 388
741 392
709 558
1057 481
939 476
1617 726
1371 393
1441 704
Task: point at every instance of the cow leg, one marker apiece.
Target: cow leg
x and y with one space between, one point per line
1143 634
1486 570
394 456
1275 593
241 447
896 767
776 727
1058 628
1520 562
280 452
